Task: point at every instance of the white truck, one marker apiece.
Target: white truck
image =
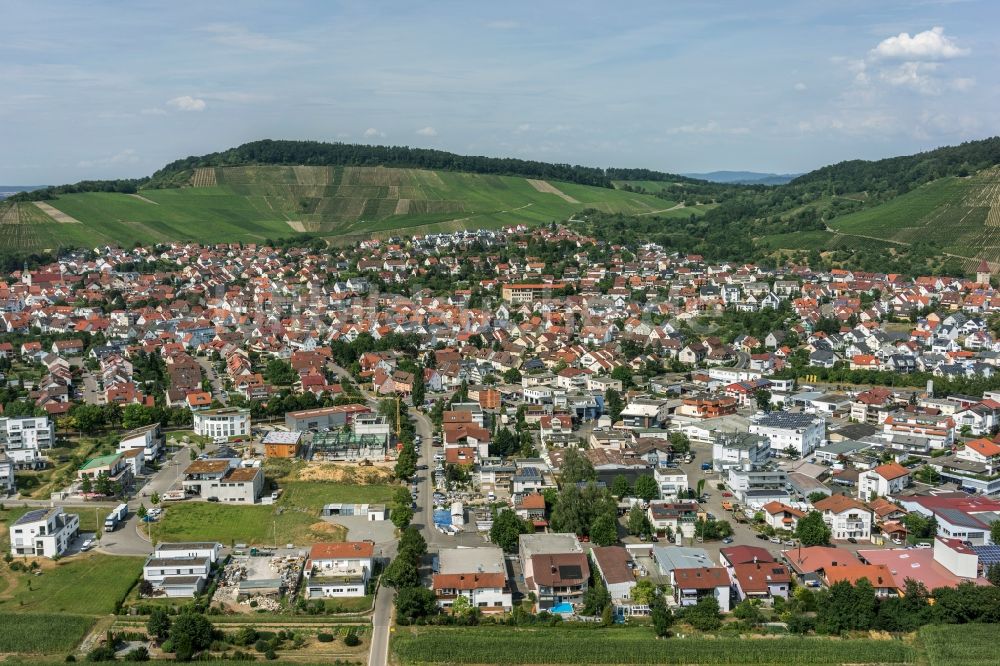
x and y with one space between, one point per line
117 516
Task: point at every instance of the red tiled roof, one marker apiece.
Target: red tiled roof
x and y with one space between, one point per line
339 551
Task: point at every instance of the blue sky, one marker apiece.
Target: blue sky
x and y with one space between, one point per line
110 89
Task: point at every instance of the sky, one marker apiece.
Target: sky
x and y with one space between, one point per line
119 88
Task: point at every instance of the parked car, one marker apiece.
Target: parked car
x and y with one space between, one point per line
727 540
923 545
727 494
762 537
774 540
851 540
87 545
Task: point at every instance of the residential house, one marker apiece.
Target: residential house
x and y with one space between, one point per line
478 574
339 569
691 585
796 432
846 517
882 481
43 533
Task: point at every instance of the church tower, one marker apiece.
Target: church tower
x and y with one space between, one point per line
983 273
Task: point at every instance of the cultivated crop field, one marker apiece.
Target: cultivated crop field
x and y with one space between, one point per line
255 203
564 645
962 215
41 634
967 644
25 228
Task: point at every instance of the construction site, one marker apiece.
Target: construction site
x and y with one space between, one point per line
260 579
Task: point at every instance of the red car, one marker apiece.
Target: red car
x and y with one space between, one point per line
727 494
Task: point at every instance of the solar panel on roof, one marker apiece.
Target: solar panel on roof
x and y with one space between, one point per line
570 571
988 555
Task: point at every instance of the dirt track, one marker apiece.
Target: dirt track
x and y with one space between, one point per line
549 188
55 214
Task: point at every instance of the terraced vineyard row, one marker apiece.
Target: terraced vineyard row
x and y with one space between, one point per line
960 215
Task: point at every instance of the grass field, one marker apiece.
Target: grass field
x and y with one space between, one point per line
253 203
208 521
89 584
312 495
43 634
583 645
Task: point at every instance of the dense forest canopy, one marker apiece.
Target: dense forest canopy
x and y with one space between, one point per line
898 175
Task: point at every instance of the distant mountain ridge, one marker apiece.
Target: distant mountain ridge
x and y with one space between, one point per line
10 190
745 177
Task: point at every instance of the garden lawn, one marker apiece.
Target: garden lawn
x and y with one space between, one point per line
89 584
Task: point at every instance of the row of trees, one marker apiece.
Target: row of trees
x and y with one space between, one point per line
316 153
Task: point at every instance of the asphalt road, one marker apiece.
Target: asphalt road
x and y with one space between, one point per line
381 627
126 539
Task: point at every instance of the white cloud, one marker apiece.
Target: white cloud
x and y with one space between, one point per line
236 36
371 133
800 87
187 103
153 111
913 75
427 131
127 156
930 44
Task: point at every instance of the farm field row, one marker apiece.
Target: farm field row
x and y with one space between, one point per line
576 645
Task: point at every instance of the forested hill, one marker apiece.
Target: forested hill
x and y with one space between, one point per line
315 153
893 176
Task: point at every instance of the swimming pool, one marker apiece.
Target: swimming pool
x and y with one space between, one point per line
562 609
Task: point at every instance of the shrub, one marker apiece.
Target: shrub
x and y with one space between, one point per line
102 653
325 638
262 646
351 640
138 654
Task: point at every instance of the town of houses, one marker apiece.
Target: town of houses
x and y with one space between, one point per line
602 356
